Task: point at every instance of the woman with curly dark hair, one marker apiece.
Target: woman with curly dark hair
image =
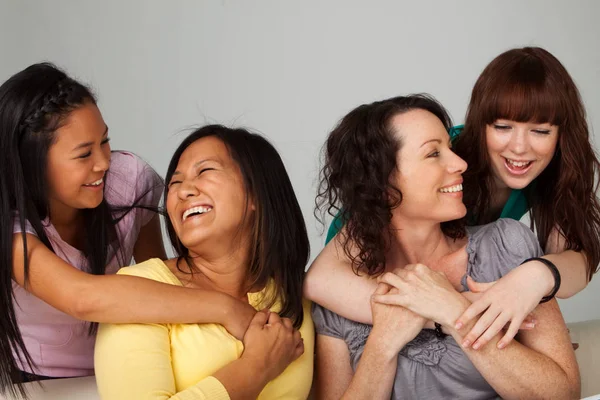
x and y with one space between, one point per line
390 167
527 144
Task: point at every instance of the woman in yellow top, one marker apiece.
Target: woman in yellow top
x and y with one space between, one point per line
236 226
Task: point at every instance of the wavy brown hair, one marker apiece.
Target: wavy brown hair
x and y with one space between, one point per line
530 85
360 157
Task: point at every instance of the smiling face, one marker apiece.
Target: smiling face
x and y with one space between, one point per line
77 161
520 151
429 173
207 201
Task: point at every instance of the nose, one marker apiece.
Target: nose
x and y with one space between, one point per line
518 141
102 161
187 189
457 164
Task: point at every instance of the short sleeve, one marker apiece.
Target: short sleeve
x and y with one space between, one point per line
327 322
133 182
499 247
149 188
17 226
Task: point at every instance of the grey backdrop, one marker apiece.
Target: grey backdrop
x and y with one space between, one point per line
289 69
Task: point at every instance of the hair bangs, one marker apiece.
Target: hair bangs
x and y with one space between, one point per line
524 94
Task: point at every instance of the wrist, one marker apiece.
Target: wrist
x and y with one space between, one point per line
542 275
554 272
456 308
260 371
381 344
228 306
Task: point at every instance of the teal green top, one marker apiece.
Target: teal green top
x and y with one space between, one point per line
515 207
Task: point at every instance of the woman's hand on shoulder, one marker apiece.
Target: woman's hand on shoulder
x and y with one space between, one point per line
506 302
425 292
271 343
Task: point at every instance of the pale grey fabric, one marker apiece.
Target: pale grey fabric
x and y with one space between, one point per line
433 368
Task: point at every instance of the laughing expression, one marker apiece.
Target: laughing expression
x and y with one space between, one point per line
520 151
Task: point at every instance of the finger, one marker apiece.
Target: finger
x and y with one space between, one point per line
297 336
391 279
509 335
260 318
287 323
482 324
391 299
527 324
490 332
474 310
299 350
382 288
274 318
409 267
478 287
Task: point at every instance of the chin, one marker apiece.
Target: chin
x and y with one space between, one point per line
517 184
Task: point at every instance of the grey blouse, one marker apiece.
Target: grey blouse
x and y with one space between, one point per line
430 367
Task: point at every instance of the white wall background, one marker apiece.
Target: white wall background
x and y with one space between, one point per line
289 69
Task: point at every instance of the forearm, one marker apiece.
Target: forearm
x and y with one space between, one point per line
340 290
130 299
113 298
241 380
376 371
516 371
572 266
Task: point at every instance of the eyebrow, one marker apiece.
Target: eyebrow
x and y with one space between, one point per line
432 140
88 144
198 164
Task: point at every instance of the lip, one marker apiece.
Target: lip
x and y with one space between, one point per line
457 182
187 207
95 188
515 172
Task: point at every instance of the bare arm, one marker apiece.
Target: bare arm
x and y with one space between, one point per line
149 243
331 282
514 296
393 328
120 298
333 371
572 265
335 379
543 366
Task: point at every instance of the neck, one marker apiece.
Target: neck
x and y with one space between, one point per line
499 197
226 272
419 241
64 216
416 242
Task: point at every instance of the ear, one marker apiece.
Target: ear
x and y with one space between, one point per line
251 205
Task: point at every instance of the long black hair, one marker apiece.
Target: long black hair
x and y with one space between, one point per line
34 103
279 246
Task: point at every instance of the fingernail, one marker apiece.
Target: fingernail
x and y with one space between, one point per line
531 325
466 343
501 345
458 325
476 345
